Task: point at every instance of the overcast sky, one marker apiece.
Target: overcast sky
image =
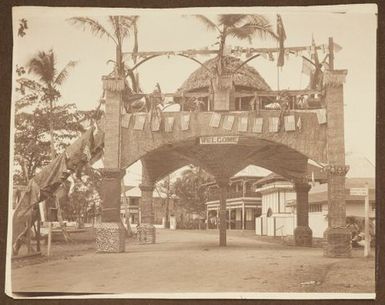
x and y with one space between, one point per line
352 27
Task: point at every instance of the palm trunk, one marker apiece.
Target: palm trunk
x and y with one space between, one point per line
51 135
221 51
119 62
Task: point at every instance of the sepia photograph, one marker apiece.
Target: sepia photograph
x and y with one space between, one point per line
211 153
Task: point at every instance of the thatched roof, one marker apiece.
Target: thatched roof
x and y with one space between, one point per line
246 76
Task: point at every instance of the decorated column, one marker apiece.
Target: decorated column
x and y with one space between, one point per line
337 235
110 234
303 235
223 186
146 230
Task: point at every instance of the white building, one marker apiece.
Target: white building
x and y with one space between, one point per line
278 217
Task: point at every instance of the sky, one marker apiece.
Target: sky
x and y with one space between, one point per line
353 27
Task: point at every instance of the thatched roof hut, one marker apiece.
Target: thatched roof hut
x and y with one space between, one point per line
245 78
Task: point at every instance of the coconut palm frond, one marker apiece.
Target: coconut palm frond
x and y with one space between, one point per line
260 24
43 66
241 33
210 25
94 26
126 25
135 48
62 76
230 20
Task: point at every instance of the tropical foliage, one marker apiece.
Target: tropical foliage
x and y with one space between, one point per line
43 127
239 26
118 29
190 189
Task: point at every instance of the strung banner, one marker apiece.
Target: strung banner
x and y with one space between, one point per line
228 122
321 116
215 120
273 124
155 123
125 120
258 125
242 123
289 123
185 121
169 123
140 119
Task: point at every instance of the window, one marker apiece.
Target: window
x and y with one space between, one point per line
315 208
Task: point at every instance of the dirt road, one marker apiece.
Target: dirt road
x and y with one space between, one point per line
191 261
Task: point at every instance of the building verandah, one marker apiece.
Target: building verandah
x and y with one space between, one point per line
243 204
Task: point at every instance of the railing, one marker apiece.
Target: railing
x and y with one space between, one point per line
231 195
251 100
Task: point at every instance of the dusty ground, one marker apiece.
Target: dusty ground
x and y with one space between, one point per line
191 261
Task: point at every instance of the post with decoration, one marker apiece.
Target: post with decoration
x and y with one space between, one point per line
303 235
223 184
337 236
110 234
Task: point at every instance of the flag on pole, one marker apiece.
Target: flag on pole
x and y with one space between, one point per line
281 38
307 67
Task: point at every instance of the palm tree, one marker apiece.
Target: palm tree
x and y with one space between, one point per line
119 28
240 26
43 65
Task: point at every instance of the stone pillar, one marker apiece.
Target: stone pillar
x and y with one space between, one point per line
146 229
110 234
338 237
147 212
223 186
303 235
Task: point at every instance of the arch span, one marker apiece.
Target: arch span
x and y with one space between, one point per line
283 152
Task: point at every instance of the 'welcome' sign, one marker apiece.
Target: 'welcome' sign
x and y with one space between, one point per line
219 140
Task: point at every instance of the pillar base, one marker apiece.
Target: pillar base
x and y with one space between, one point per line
303 236
338 242
146 234
110 237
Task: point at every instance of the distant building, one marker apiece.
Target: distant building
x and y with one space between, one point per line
243 204
278 216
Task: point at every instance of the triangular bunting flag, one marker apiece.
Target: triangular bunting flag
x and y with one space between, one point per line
215 120
185 121
258 125
140 119
242 123
169 123
273 124
289 123
228 122
155 123
125 120
321 116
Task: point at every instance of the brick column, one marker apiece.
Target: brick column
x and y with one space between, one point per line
338 237
146 229
146 208
223 186
303 235
110 234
